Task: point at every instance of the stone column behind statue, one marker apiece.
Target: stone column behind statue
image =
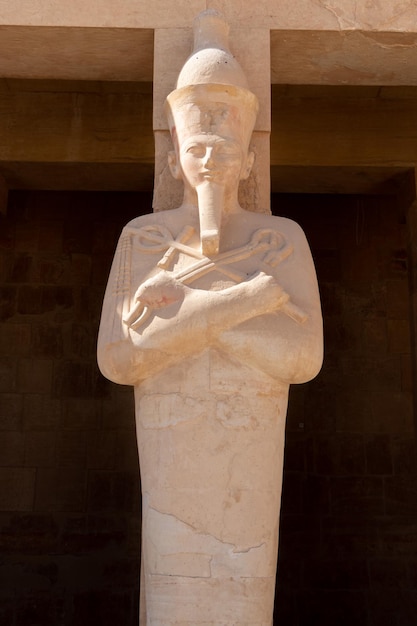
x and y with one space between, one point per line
211 312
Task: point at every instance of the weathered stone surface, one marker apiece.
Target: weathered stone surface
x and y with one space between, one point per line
67 127
315 42
332 406
210 390
342 57
368 157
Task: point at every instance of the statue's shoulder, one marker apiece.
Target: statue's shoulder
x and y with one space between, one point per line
289 226
284 225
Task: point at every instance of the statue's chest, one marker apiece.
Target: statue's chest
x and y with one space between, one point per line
214 274
241 256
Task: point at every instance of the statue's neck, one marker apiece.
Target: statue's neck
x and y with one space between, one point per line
230 202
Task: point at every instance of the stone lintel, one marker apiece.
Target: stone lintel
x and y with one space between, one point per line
79 135
75 126
306 15
76 53
356 57
315 53
343 130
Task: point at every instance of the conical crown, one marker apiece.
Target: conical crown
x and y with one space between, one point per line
211 61
212 91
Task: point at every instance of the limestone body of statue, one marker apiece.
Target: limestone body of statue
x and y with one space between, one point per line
211 312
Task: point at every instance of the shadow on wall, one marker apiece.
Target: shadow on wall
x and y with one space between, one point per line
69 477
348 545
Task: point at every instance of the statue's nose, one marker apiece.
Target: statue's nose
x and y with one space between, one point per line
208 159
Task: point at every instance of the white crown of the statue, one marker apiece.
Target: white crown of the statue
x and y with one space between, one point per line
211 87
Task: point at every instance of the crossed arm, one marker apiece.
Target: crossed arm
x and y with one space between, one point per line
248 321
186 322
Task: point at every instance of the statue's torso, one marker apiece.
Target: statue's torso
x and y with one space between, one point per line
211 439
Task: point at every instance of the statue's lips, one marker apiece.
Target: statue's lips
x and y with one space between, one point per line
211 174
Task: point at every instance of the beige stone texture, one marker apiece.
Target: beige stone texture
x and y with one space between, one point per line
297 56
211 312
369 156
76 53
211 384
176 44
254 193
312 41
130 14
329 15
343 57
382 127
64 126
168 191
302 15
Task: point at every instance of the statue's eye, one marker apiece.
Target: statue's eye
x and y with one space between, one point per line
227 152
196 150
228 149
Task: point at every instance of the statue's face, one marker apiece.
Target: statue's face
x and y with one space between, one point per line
210 157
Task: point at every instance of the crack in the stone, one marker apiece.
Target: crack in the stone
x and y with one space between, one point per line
349 23
339 19
388 46
235 549
400 13
247 550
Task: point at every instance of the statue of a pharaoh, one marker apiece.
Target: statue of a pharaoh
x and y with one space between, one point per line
211 312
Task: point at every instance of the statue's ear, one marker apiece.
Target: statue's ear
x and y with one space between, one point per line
247 168
174 165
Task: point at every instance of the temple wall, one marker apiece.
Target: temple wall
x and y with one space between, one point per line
69 483
69 477
392 15
76 113
349 518
326 42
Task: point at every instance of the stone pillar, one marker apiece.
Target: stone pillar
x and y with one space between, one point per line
252 49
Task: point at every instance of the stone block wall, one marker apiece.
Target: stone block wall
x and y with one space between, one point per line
69 477
348 545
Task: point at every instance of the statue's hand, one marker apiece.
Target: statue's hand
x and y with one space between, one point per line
269 290
160 291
